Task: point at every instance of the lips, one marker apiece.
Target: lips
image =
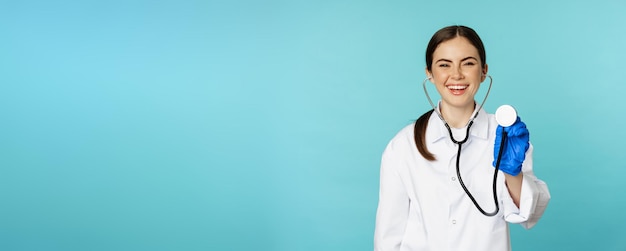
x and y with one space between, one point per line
457 89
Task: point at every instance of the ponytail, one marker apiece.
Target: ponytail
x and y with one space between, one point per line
420 135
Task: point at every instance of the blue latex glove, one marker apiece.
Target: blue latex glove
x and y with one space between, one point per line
515 147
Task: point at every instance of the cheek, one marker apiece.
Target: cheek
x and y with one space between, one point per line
439 77
438 81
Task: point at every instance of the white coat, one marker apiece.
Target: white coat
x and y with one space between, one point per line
423 207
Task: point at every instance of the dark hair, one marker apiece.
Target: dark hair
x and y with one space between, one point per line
443 35
450 32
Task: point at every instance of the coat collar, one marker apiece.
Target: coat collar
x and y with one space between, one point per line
437 130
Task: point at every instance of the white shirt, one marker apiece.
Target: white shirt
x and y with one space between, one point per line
422 206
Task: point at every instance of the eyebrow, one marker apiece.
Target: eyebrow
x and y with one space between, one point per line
448 60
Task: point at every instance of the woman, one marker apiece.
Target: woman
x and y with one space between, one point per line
422 204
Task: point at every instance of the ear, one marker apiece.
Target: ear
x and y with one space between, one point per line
428 73
485 70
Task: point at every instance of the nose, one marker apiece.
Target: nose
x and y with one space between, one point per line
457 73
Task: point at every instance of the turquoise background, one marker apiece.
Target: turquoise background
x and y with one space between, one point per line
259 125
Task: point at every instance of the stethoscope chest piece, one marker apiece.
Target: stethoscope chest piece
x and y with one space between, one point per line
506 115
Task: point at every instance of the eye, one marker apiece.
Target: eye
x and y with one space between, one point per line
444 65
470 63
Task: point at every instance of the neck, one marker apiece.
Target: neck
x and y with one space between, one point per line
457 117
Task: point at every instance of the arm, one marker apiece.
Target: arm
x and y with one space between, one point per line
514 185
393 205
529 198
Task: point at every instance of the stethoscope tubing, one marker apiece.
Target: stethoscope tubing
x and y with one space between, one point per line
460 143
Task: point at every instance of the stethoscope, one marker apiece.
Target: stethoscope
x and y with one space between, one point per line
505 114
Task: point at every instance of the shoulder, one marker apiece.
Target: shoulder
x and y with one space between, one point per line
406 132
484 125
402 141
484 115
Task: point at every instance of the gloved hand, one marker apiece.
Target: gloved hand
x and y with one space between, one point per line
515 147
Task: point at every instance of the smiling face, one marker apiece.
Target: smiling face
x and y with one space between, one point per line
457 72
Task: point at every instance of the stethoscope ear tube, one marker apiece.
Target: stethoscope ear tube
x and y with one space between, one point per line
439 114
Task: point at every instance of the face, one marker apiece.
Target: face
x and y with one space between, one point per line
457 72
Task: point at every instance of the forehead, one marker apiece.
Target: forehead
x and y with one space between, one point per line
456 48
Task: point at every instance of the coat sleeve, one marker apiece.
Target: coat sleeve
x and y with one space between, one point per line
393 204
533 200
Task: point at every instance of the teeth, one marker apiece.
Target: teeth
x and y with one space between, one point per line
457 87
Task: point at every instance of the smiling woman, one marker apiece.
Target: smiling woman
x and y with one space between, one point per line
457 74
419 209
